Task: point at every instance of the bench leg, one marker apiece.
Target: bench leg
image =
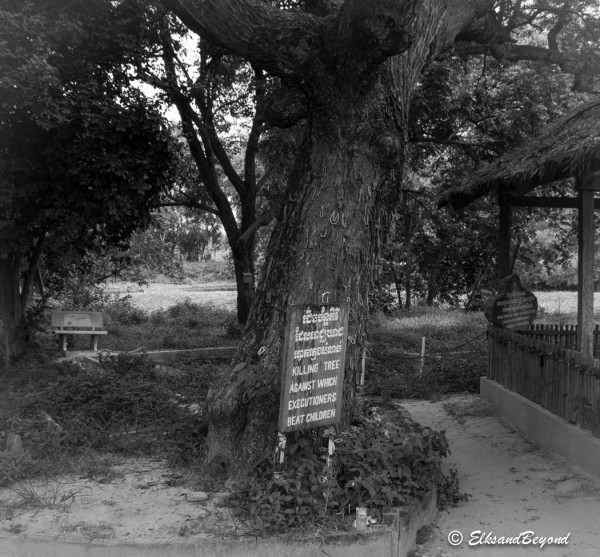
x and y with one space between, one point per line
95 343
64 343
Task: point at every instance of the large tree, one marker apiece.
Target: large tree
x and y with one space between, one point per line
354 65
82 154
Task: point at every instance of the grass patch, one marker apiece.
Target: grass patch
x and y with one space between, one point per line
208 271
182 326
455 355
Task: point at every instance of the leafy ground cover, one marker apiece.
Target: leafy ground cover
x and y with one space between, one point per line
181 326
128 407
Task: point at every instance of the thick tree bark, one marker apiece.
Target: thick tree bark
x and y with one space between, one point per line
243 263
328 237
12 311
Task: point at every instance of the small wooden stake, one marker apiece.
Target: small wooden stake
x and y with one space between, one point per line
363 364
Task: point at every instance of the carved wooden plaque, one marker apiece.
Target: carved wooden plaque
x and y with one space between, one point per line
513 308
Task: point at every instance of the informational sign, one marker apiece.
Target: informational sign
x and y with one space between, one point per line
313 366
77 320
514 308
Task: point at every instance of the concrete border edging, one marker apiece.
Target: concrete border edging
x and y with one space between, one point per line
546 430
157 355
409 520
173 355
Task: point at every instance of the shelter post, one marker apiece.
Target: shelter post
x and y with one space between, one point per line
586 184
504 224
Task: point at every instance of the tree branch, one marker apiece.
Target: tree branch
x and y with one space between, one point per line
262 220
449 142
254 136
281 42
31 269
553 33
516 53
210 140
191 204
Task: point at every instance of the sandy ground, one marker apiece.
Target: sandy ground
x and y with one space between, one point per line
514 488
140 501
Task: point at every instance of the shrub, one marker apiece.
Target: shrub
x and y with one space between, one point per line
122 312
127 406
376 464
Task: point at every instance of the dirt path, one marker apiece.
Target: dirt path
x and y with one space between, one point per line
514 487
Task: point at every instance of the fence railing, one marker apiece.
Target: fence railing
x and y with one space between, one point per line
564 336
563 381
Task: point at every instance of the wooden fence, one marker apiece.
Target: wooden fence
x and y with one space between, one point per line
564 336
559 379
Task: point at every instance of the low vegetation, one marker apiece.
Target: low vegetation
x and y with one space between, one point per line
128 407
74 417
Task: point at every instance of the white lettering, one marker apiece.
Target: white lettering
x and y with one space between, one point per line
327 382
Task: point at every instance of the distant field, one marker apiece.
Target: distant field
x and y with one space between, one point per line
220 295
563 303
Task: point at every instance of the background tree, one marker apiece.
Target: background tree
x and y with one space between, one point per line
463 113
83 154
221 102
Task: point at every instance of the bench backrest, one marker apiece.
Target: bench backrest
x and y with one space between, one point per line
77 319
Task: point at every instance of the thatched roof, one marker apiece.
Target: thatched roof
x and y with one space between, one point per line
562 150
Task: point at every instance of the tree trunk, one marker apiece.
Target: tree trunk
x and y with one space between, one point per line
407 253
327 239
398 283
12 311
432 290
243 263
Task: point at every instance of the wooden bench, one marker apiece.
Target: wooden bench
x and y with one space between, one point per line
78 323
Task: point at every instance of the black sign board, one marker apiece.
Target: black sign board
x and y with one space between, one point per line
514 308
313 366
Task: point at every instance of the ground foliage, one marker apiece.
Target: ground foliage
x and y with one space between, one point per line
128 406
377 464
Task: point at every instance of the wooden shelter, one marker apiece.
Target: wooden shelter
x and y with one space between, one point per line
567 149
